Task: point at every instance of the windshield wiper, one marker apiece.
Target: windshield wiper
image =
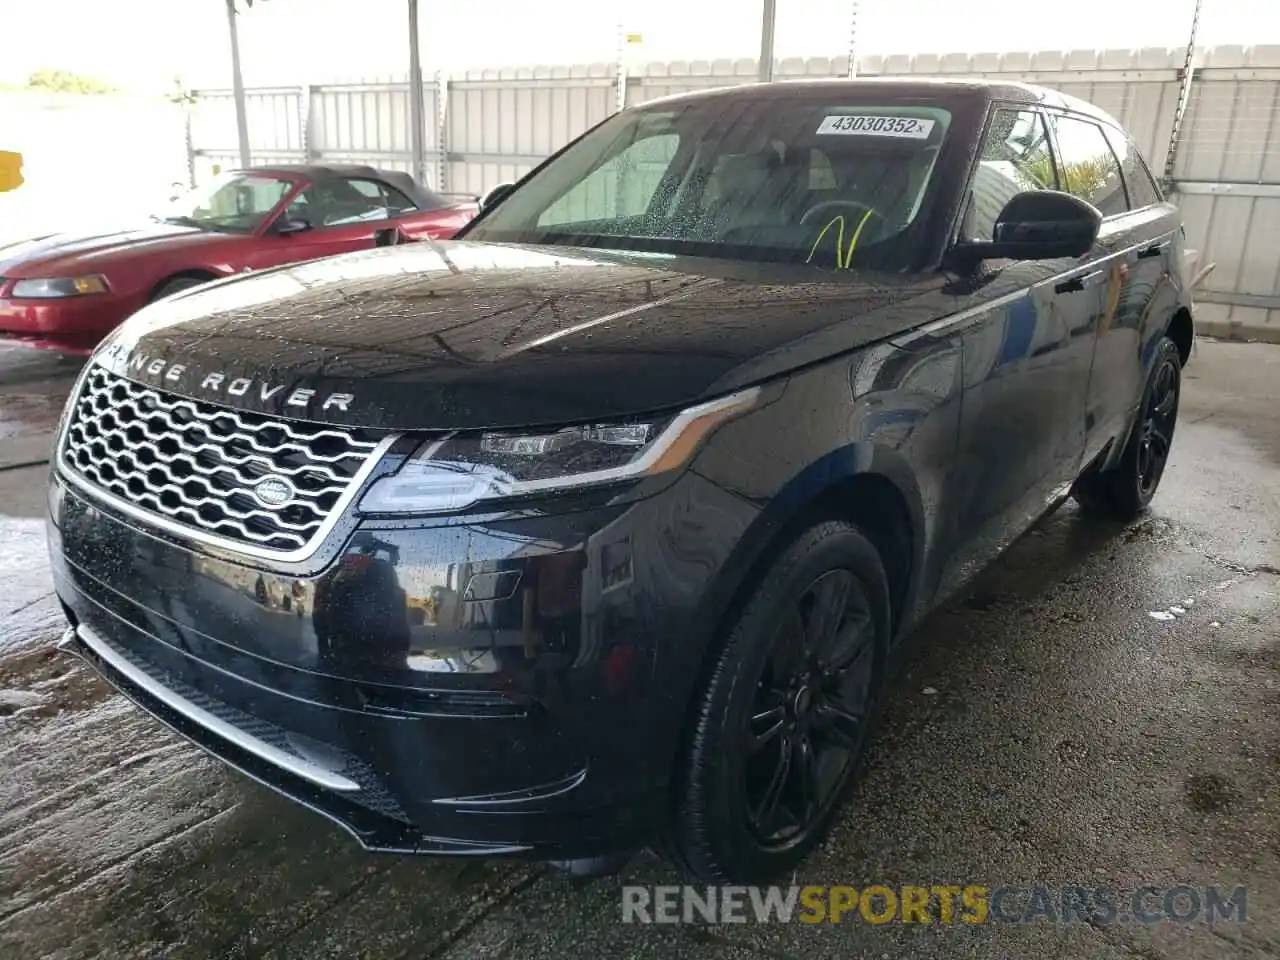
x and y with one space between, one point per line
180 221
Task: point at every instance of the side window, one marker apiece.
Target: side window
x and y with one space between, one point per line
1087 166
336 203
1142 188
243 197
384 195
621 187
1015 158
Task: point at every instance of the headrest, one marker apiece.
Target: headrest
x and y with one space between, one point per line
751 168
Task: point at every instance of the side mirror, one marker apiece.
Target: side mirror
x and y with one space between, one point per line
1036 225
496 195
287 225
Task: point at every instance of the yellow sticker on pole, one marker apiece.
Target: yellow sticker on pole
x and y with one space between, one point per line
10 171
635 38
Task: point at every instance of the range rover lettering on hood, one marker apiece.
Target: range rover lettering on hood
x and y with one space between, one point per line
221 384
518 338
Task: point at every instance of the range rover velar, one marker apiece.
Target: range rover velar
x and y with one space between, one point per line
595 527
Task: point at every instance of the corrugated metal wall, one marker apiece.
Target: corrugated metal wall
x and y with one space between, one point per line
1227 164
489 127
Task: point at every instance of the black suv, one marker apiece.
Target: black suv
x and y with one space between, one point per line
596 527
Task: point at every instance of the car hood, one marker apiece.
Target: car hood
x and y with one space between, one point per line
57 254
465 335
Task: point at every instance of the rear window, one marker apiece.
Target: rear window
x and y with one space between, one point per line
790 181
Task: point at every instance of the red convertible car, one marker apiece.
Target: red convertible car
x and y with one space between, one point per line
66 292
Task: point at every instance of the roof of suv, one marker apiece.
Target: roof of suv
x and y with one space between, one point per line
904 86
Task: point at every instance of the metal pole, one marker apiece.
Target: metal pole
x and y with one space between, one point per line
766 40
308 118
620 66
237 86
417 108
1184 99
187 107
853 39
442 130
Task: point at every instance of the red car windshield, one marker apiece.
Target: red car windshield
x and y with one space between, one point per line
231 203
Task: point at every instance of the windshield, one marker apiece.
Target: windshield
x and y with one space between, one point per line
784 180
232 202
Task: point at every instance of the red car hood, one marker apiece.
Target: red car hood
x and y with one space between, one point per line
54 255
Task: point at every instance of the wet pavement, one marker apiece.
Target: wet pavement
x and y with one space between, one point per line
1061 724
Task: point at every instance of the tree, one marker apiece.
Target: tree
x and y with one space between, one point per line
179 94
63 81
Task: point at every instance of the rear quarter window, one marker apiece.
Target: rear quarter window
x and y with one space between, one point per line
1087 166
1143 191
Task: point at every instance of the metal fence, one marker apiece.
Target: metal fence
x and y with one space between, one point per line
490 127
1226 168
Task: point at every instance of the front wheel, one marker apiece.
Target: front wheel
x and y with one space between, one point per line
176 285
784 719
1125 491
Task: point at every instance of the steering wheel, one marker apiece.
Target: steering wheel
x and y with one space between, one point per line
835 207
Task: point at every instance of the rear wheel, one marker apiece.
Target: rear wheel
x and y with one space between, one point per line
1124 491
782 723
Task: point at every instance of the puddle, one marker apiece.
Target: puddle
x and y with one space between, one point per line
16 702
41 682
27 414
1209 792
24 567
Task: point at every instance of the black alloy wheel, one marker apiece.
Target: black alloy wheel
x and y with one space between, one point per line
808 719
1159 417
786 712
1124 491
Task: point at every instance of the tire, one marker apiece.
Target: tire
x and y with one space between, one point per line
1124 491
176 285
763 700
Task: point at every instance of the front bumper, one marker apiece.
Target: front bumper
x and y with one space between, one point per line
507 686
72 325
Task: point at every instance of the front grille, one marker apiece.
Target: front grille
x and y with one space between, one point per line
196 464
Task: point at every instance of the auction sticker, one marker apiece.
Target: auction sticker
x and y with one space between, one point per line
913 128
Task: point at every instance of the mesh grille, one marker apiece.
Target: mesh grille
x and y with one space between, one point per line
197 464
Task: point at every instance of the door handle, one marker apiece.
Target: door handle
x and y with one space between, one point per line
1079 282
1152 251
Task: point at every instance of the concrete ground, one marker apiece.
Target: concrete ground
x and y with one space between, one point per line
1048 728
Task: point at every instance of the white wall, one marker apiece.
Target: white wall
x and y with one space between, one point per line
88 160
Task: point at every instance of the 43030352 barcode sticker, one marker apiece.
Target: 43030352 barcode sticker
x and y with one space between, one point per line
913 128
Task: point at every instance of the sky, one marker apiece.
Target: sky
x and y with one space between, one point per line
145 44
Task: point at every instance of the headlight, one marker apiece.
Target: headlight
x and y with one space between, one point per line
462 470
52 287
